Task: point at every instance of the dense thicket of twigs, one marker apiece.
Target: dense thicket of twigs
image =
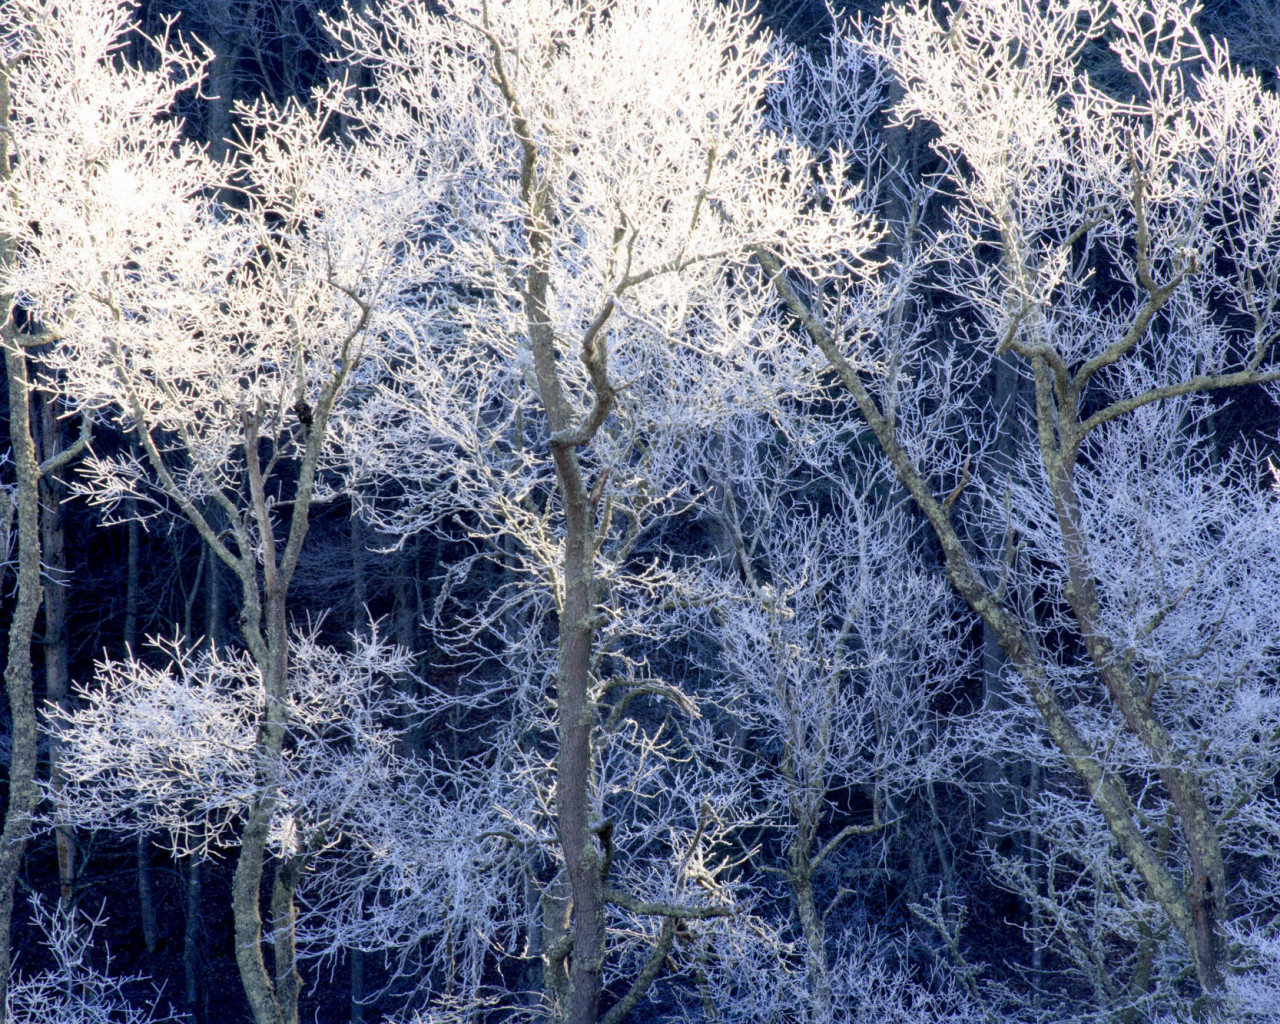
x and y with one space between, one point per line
584 511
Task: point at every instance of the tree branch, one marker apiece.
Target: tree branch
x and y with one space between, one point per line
638 906
1205 382
648 973
54 463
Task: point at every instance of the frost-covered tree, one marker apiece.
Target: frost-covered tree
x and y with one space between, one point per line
581 336
833 654
219 339
1119 246
35 62
75 990
570 290
175 751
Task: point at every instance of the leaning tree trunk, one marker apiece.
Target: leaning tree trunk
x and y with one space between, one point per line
1193 911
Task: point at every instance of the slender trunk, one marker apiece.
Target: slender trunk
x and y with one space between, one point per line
406 599
56 652
272 1002
215 620
142 848
406 613
265 603
359 628
191 945
1189 912
1005 383
23 793
800 874
226 36
1175 767
575 711
575 725
245 893
284 915
134 543
265 1000
355 971
146 894
1035 844
1140 982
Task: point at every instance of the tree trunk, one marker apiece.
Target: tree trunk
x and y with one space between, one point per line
146 894
800 874
215 620
271 655
133 542
270 1004
355 973
226 36
245 893
359 628
56 652
23 794
283 920
191 989
1174 766
556 932
575 711
575 728
142 849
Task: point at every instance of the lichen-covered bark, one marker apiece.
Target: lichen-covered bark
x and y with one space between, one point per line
23 793
800 874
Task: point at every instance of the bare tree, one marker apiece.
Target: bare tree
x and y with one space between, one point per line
565 369
220 340
31 74
543 297
833 653
1057 182
75 990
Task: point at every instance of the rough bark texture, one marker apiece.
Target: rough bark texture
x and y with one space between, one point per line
800 874
575 713
283 920
23 794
